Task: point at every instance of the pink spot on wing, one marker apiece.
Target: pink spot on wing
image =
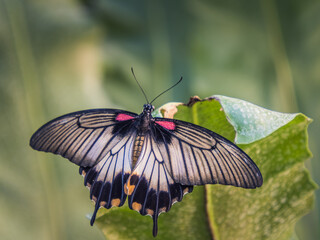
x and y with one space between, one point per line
123 117
166 124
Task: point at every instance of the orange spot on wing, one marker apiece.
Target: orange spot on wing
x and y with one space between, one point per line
150 211
128 187
175 200
136 206
115 202
164 209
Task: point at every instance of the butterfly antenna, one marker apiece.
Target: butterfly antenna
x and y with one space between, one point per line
166 90
139 85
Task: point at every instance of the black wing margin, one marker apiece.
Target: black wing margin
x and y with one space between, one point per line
197 156
83 137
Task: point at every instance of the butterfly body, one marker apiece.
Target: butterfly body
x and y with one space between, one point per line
152 161
138 143
142 126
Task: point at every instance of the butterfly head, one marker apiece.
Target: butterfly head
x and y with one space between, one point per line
148 108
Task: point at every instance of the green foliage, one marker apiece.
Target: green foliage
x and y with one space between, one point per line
277 142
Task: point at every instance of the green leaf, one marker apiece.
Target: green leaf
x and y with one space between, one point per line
251 122
277 142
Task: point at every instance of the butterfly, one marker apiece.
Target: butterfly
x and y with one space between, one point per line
151 161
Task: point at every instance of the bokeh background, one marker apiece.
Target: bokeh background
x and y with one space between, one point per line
59 56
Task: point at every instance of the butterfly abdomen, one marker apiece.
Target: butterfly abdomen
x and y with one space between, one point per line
137 147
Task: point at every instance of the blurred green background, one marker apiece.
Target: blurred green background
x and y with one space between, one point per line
59 56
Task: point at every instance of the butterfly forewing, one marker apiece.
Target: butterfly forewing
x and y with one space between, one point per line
83 137
199 156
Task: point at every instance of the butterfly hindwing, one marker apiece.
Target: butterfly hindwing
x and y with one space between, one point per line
83 137
150 187
106 179
197 156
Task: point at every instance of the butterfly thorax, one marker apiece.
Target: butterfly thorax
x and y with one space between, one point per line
143 124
